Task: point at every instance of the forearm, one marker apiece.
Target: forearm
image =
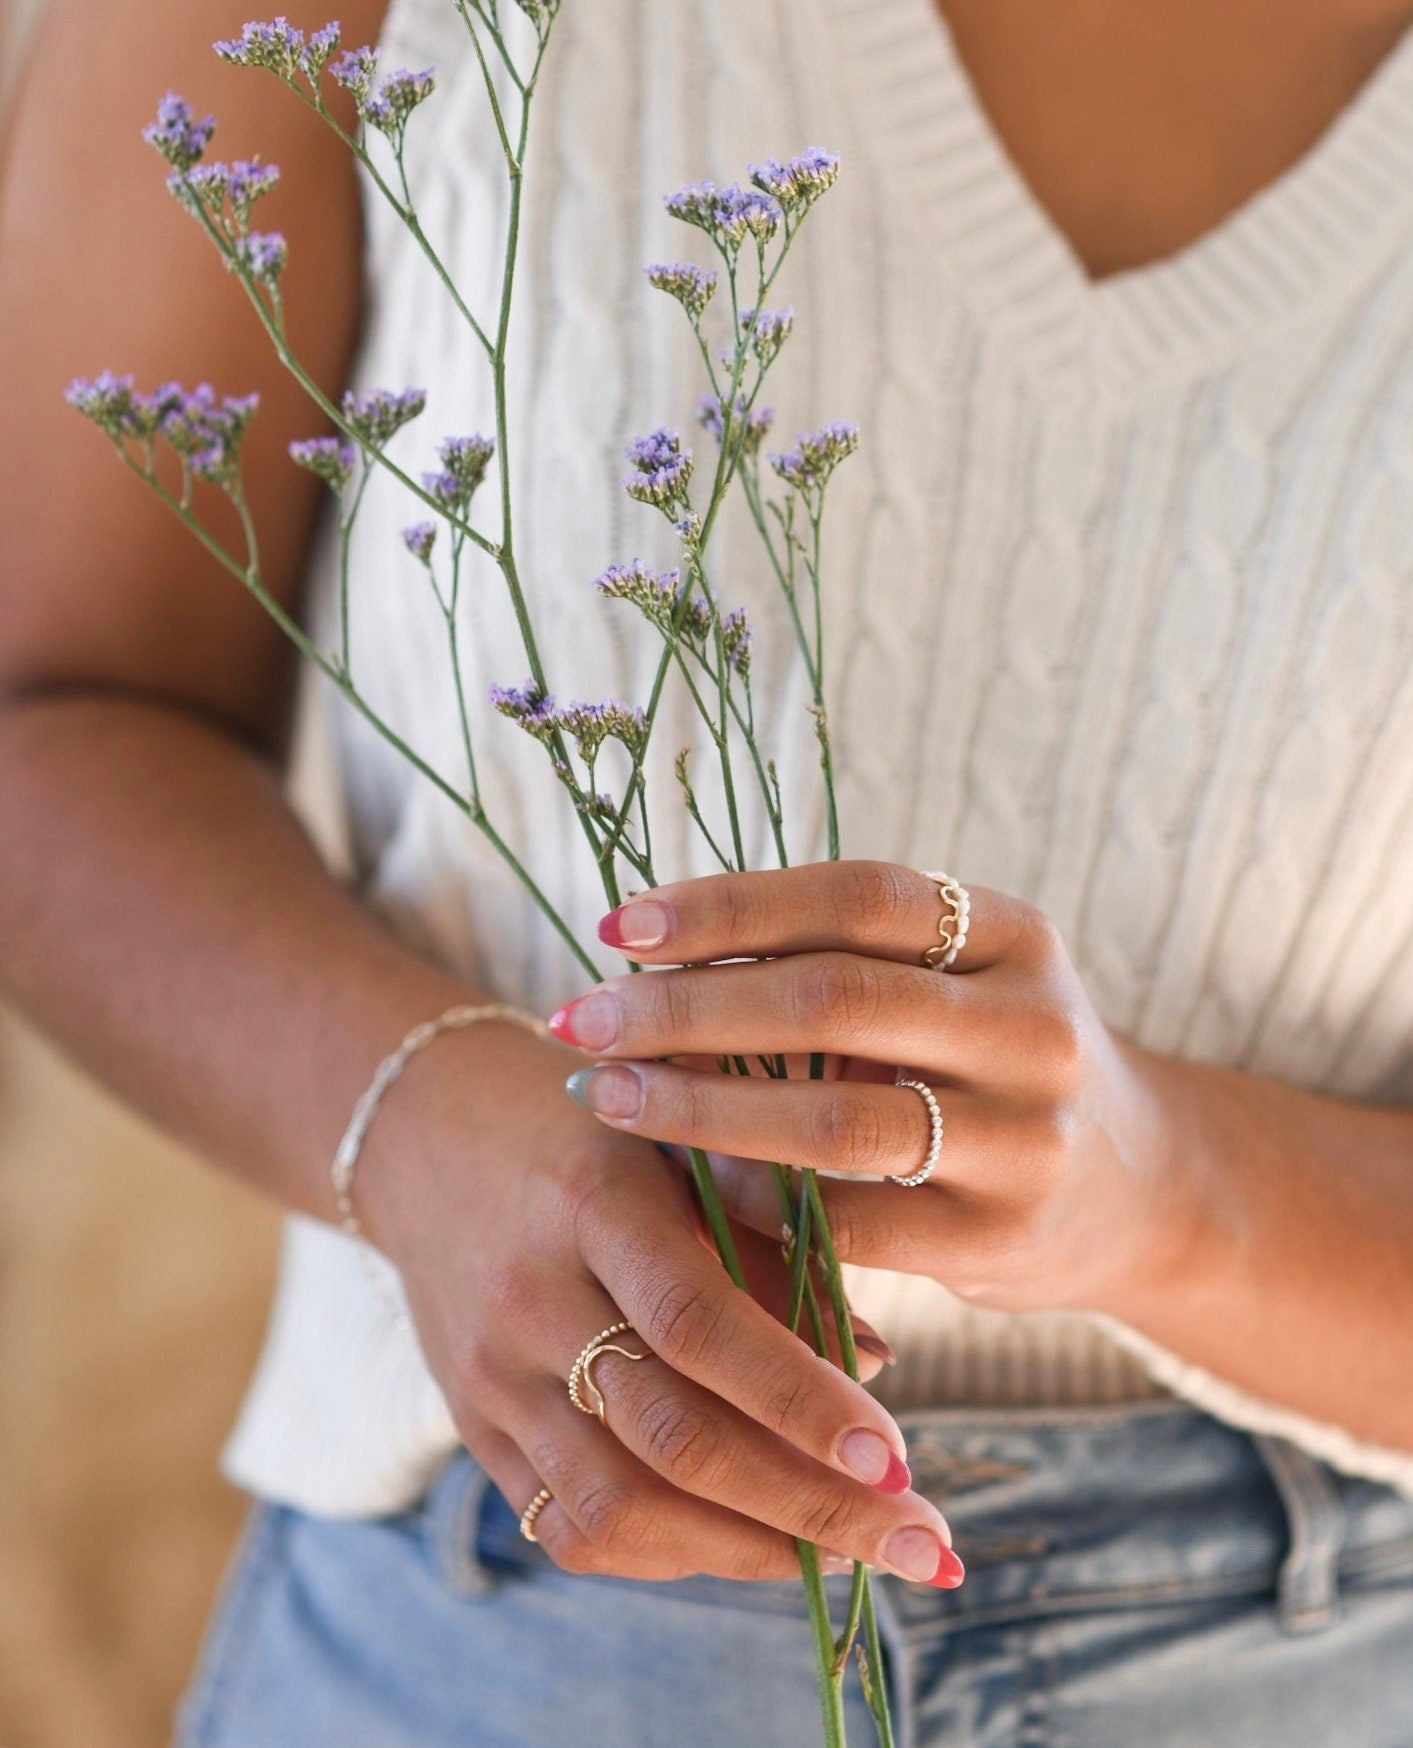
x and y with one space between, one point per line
163 915
1297 1284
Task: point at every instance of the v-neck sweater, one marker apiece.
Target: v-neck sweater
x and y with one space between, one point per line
1117 592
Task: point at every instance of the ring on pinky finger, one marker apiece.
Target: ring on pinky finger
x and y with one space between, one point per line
935 1133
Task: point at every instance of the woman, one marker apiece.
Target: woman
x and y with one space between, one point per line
1120 599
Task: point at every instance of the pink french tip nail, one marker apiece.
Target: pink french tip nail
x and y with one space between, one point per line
643 923
559 1025
897 1478
950 1571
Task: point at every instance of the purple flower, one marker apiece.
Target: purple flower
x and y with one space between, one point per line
248 181
728 215
661 471
736 637
464 461
321 46
207 432
276 46
592 724
769 330
693 287
530 706
375 417
327 457
106 399
177 134
388 108
710 413
420 539
656 596
356 69
799 182
262 255
816 455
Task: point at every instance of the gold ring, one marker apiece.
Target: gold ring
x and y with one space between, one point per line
953 924
532 1512
581 1375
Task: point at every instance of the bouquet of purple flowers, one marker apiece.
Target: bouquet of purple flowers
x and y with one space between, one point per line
596 750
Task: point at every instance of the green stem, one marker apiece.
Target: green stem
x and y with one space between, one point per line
831 1686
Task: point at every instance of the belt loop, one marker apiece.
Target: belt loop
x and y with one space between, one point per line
1307 1587
452 1519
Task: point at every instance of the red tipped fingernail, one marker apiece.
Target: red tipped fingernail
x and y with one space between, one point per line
950 1571
642 923
897 1478
591 1022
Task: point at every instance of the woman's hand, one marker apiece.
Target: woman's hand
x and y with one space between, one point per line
1057 1182
522 1229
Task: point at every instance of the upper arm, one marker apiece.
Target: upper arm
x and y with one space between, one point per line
100 268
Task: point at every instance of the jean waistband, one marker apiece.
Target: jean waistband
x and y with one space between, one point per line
1058 1509
1146 1500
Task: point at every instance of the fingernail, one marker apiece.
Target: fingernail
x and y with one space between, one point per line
607 1092
868 1456
950 1571
591 1022
643 923
876 1345
915 1554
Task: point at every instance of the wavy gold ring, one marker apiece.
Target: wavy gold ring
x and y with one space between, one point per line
581 1373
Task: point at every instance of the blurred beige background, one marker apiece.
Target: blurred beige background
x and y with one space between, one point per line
133 1285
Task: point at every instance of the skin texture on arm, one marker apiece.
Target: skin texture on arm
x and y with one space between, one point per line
162 914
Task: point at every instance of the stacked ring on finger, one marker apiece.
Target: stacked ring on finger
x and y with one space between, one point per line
531 1513
952 925
935 1130
581 1372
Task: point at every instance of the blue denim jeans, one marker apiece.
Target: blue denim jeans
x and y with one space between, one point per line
1139 1576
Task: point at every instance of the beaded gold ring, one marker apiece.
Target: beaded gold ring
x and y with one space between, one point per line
581 1373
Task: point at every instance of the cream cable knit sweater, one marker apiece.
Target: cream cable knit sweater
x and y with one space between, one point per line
1120 584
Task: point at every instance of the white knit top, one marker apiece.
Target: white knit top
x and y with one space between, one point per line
1118 594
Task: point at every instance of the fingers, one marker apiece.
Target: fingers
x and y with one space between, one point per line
610 1513
837 1126
877 908
685 1309
836 1002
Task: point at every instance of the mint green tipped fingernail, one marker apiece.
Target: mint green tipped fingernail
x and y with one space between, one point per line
577 1086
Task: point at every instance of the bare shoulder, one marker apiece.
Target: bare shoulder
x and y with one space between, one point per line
100 268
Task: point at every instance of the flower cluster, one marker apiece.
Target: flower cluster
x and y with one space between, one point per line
727 215
769 330
816 455
280 48
799 182
590 725
656 596
662 470
261 255
736 637
387 103
693 287
757 422
204 429
529 706
376 417
419 540
212 186
177 134
541 13
464 462
327 457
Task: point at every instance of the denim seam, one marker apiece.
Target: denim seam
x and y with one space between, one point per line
234 1623
1082 1601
